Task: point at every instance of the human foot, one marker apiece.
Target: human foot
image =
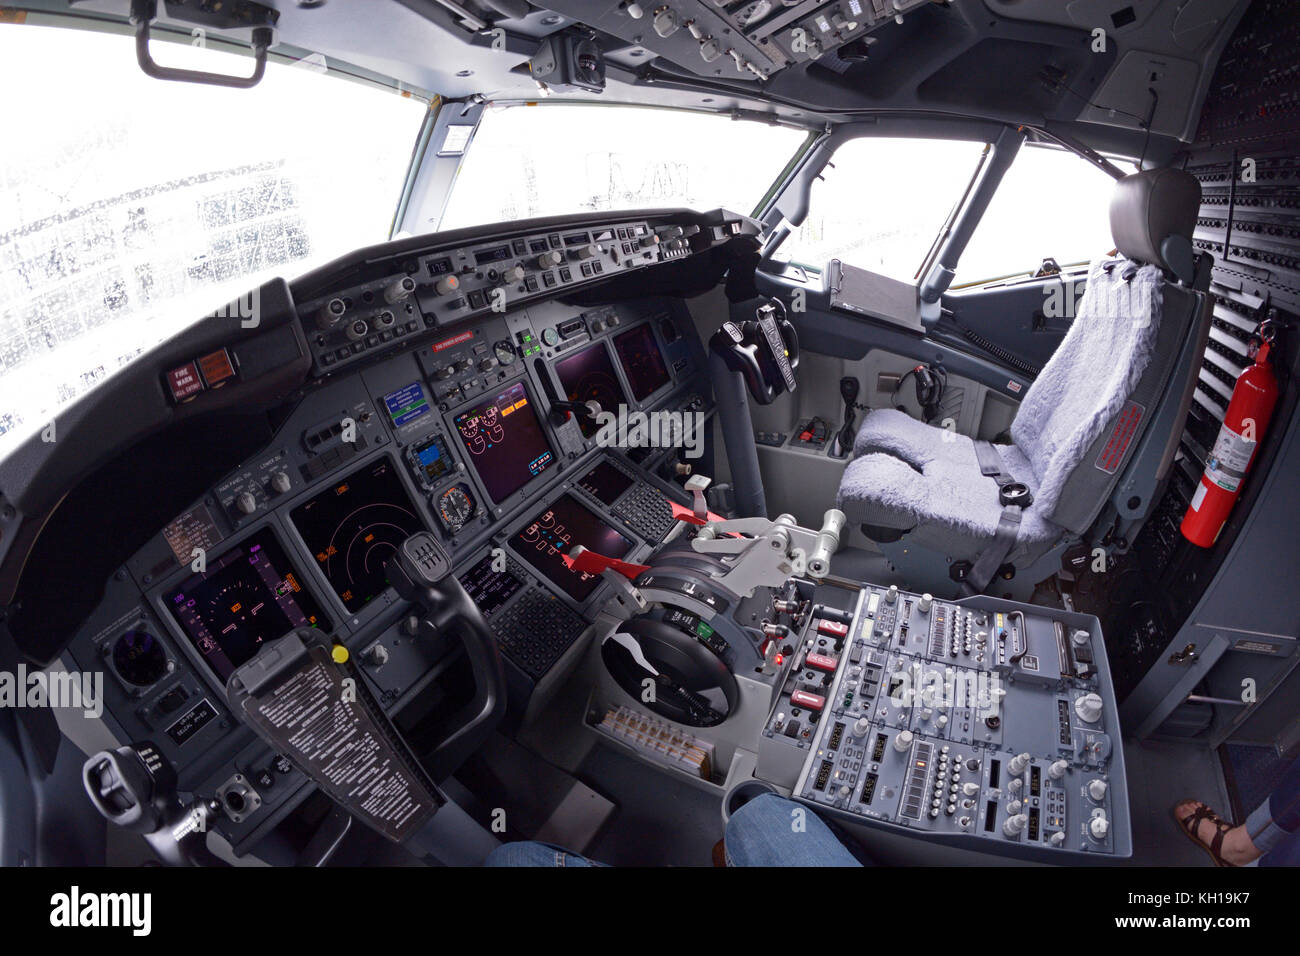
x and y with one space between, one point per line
1228 845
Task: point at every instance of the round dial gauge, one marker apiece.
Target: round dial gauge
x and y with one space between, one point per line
455 507
505 352
139 658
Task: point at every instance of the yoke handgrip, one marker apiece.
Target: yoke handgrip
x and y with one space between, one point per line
420 572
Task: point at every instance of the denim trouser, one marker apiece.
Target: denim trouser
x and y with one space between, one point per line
767 831
1274 827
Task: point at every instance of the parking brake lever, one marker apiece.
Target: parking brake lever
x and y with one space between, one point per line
420 571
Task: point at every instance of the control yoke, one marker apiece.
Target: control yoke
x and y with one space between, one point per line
421 573
135 787
764 350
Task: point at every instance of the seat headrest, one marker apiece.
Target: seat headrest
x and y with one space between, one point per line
1152 215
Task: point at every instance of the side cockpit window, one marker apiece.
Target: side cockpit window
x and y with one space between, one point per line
881 203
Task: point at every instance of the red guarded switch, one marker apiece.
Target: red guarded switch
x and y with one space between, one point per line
801 698
822 662
832 628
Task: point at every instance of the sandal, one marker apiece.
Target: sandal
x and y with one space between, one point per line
1191 824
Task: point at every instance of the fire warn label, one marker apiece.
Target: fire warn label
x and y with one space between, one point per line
1120 437
1229 460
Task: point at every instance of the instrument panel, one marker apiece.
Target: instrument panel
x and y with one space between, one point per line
982 723
453 432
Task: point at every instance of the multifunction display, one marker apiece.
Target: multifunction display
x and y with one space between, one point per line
505 441
251 594
552 533
353 528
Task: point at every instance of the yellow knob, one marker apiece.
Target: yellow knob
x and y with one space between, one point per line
340 654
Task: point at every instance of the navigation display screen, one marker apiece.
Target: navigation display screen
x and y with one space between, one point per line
354 527
605 483
505 441
553 532
251 594
643 363
589 376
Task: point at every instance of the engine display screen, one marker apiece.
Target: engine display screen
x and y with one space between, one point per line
557 529
505 441
643 363
589 376
605 483
354 527
487 588
251 594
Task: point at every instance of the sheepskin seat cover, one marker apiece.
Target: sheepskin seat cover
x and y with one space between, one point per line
911 476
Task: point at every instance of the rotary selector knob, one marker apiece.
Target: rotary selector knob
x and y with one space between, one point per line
586 252
1057 770
970 789
377 656
549 259
1079 637
513 274
280 482
1014 806
1015 824
357 329
862 726
1015 785
1057 838
891 596
1097 790
923 605
246 503
1098 827
330 313
846 791
903 741
398 290
1088 707
1018 763
446 285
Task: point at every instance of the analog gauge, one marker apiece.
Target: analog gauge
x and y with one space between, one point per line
550 337
505 352
139 658
455 507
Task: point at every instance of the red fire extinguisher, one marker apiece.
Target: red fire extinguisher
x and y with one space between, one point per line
1253 399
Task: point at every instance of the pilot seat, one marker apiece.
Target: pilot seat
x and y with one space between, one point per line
1092 440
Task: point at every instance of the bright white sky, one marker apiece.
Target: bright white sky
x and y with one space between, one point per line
95 203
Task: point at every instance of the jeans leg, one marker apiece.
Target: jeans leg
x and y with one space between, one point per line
1286 853
1279 816
530 853
773 831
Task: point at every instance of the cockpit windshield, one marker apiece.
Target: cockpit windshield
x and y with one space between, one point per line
554 158
130 208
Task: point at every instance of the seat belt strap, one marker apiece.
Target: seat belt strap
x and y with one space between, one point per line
1004 538
991 463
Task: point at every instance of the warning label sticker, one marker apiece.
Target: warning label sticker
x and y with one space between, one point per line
1229 459
1121 435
